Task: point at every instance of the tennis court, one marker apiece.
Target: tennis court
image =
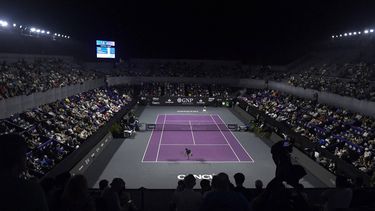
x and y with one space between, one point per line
155 158
207 136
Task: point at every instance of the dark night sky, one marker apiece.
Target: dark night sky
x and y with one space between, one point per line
255 30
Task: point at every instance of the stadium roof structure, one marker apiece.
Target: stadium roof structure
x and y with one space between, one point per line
197 29
28 30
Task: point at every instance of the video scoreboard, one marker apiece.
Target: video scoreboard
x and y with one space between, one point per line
105 49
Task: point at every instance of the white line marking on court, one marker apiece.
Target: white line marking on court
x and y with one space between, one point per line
185 121
195 144
237 140
191 130
187 114
204 162
225 138
149 139
161 136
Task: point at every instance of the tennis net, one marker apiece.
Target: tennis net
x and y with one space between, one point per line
191 127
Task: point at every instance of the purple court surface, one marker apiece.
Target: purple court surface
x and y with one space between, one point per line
215 145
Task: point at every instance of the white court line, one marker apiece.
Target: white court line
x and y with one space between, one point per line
200 121
187 122
191 130
204 162
225 138
237 140
204 115
149 139
187 114
195 144
161 136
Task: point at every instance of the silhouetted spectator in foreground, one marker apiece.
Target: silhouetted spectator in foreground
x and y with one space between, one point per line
76 195
213 186
222 198
180 186
188 199
360 194
111 196
60 183
48 185
258 188
281 156
103 185
338 198
125 200
205 186
277 197
239 178
16 193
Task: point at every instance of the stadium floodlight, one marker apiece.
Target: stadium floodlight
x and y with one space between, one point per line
336 36
20 26
43 31
346 34
14 25
366 31
359 32
350 34
340 35
371 30
58 35
55 34
37 30
3 23
33 29
48 32
68 37
333 36
354 33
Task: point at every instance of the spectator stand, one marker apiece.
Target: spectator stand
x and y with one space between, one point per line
63 131
159 199
303 143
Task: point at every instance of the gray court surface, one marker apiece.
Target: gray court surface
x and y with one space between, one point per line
123 158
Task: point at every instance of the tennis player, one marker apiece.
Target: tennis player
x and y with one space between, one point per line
188 153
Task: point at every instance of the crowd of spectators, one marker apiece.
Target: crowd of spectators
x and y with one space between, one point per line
184 90
52 131
198 70
24 77
348 135
67 192
180 69
353 80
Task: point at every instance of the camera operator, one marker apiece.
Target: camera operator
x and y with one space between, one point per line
276 196
281 156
